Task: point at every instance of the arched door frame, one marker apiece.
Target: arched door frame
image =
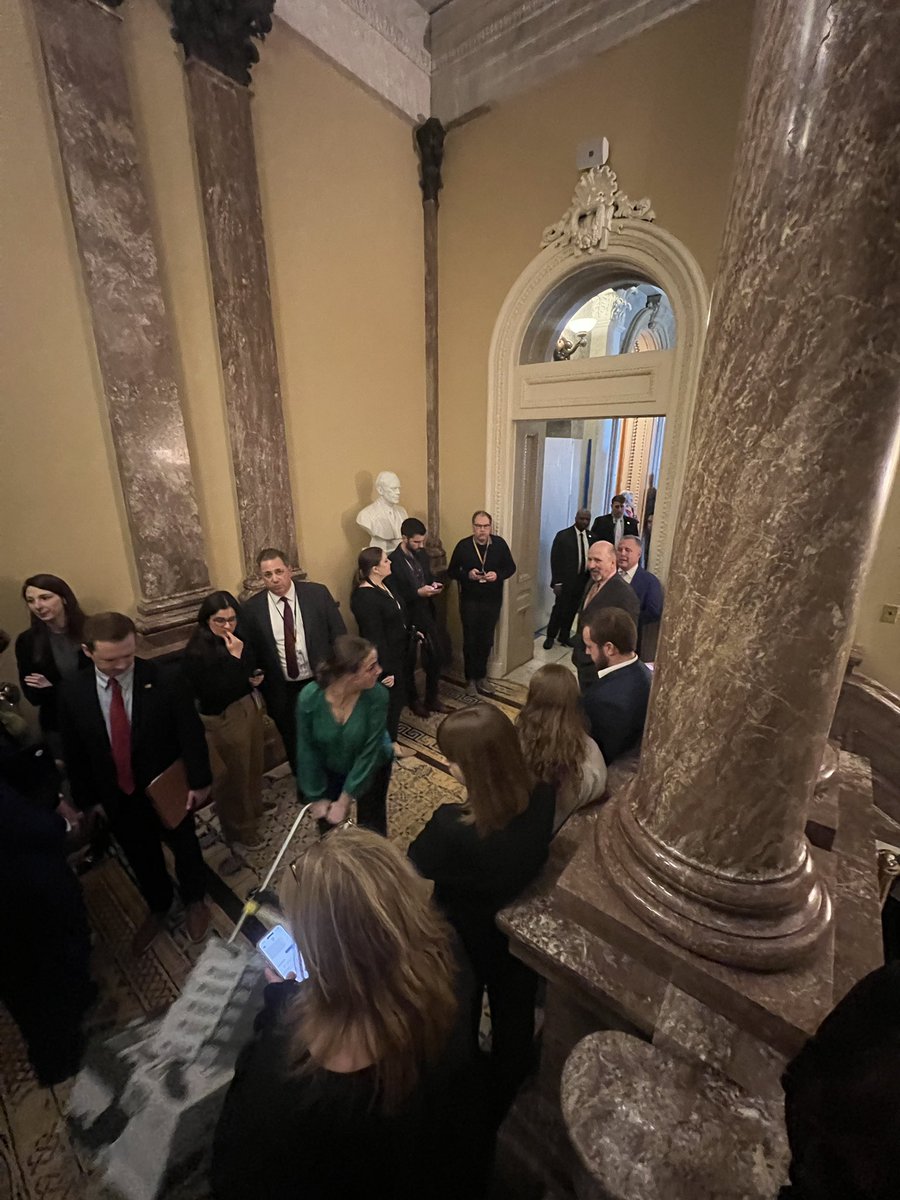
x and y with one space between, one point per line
635 248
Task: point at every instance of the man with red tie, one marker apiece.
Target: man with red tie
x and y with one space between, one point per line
292 627
122 725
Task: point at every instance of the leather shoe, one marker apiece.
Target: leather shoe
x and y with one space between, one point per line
146 933
435 706
420 710
196 920
548 643
481 687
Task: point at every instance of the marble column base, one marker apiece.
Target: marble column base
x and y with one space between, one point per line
764 925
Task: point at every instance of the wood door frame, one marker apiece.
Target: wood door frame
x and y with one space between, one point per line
660 383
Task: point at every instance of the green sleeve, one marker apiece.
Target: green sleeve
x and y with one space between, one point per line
311 779
373 752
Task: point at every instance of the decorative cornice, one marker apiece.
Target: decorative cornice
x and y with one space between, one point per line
430 146
220 32
374 16
596 204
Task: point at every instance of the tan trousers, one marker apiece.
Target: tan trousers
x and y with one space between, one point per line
237 736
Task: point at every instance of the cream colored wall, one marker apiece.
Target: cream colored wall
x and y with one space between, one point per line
342 211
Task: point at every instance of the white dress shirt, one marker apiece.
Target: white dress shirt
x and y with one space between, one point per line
276 617
629 574
104 694
617 667
618 530
583 546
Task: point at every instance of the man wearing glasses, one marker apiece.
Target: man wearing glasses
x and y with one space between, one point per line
480 564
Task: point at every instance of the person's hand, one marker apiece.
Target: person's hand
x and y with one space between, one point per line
197 797
272 976
38 681
256 678
491 577
426 591
318 809
338 810
475 574
233 644
388 681
420 635
556 588
70 814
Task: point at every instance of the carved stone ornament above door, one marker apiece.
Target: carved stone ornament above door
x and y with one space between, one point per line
596 205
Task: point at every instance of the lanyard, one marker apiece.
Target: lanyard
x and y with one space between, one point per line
482 558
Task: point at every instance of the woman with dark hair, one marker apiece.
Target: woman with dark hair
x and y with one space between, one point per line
553 734
222 673
381 616
360 1080
50 650
343 749
481 854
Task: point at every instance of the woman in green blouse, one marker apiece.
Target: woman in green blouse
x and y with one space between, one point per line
343 749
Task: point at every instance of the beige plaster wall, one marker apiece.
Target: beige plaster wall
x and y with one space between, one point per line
343 218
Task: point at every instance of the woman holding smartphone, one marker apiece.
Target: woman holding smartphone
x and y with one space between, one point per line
221 671
481 854
343 749
360 1080
49 652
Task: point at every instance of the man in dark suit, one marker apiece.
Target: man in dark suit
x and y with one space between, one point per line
648 590
606 590
411 573
122 725
614 525
616 702
292 627
568 577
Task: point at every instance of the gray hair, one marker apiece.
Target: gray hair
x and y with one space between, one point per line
630 537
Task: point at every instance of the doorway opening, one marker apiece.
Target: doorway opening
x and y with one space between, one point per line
585 462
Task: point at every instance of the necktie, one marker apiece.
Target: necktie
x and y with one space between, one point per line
580 552
290 641
120 738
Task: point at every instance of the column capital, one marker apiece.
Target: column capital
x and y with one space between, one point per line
220 32
430 149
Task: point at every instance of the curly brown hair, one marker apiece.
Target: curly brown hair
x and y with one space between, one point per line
552 727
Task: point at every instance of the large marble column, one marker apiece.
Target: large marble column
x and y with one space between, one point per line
430 147
80 42
794 440
218 60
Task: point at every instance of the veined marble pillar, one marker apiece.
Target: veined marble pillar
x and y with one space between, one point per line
794 440
218 71
82 54
430 147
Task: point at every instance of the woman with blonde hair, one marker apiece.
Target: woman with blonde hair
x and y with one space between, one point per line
553 734
481 854
357 1082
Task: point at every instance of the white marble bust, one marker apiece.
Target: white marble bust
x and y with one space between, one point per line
384 516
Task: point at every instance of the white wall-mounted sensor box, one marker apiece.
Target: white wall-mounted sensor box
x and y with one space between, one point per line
592 153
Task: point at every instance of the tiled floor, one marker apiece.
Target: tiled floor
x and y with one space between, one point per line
558 654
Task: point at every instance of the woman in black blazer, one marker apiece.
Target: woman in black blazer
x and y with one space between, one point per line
381 616
49 652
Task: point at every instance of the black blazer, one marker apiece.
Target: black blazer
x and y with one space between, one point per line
604 528
34 657
164 726
615 593
322 623
564 559
616 707
382 621
420 610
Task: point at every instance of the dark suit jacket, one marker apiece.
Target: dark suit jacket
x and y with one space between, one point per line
564 559
616 708
420 610
615 593
603 529
34 657
322 623
650 593
164 727
383 624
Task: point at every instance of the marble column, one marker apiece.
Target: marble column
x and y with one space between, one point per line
430 147
794 441
81 47
218 71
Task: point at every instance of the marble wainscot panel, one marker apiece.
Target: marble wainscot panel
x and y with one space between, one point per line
235 239
80 42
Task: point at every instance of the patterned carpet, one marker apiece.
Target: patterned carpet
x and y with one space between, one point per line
38 1160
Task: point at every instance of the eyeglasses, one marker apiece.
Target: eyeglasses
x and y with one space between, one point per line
224 620
481 525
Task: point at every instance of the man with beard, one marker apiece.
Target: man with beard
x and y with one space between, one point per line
616 702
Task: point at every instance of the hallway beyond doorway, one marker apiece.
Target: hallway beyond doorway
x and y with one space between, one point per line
540 657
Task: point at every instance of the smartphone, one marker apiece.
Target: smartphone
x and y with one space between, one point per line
280 951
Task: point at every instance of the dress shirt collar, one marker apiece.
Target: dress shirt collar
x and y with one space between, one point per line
617 666
629 575
125 680
290 595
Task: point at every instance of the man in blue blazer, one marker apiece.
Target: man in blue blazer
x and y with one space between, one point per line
648 590
616 702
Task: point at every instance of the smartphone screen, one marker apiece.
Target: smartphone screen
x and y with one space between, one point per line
280 951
